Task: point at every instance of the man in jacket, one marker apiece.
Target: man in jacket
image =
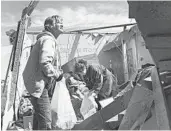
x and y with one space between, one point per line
97 78
43 66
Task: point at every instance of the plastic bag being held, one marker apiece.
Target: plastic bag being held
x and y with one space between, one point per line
88 106
63 115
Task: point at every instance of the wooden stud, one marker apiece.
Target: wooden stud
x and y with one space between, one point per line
17 61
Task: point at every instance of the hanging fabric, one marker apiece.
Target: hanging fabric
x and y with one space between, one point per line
98 38
93 36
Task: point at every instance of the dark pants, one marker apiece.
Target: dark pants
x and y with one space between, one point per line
42 115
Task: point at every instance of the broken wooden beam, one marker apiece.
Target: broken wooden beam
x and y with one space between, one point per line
29 9
98 120
17 53
99 28
161 107
138 108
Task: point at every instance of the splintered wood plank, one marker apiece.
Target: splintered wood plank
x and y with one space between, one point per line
91 123
18 50
17 56
138 108
161 107
119 105
97 121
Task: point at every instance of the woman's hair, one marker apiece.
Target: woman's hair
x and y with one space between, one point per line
80 65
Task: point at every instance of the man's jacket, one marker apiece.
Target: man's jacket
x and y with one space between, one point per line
42 65
100 79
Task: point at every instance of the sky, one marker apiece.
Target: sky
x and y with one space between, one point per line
76 14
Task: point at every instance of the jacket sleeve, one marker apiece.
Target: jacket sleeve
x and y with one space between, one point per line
98 79
46 55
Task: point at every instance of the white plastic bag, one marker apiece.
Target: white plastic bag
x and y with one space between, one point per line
63 115
88 107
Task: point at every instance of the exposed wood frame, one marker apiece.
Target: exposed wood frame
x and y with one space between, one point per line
22 26
17 56
126 76
161 107
105 27
105 33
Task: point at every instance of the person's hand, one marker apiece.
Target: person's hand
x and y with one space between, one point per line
82 85
61 71
92 93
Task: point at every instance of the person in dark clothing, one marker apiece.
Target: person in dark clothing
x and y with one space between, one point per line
98 79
